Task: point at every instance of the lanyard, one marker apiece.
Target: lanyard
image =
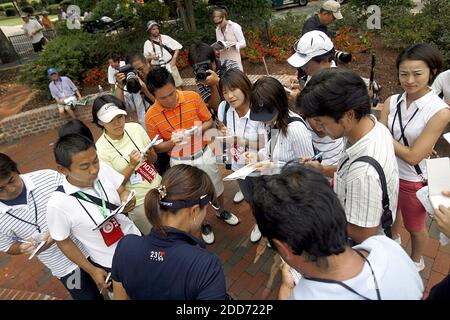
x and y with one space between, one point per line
102 209
112 145
272 145
160 46
400 122
35 224
164 114
348 287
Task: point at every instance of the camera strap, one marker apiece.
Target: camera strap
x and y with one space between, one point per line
402 130
386 216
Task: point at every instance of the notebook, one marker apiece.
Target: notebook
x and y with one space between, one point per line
438 171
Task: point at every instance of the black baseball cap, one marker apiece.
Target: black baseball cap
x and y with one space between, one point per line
262 113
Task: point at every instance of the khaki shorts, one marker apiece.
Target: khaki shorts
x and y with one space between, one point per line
207 163
176 76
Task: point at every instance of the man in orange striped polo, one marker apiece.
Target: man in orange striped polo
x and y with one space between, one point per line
180 118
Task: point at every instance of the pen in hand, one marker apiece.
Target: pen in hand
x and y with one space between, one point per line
316 156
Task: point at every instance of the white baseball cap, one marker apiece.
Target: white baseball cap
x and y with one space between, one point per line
334 7
310 45
108 112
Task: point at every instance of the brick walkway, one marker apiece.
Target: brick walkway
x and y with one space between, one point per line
245 279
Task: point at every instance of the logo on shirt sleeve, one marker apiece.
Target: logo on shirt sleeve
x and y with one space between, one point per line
157 256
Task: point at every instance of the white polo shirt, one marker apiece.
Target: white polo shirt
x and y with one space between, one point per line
65 216
358 185
395 272
296 144
415 119
40 185
242 127
442 85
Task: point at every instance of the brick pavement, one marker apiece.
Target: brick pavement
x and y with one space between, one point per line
245 279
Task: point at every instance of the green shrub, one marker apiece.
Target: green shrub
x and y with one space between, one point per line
366 3
250 14
37 5
430 26
290 24
28 9
10 12
113 8
151 11
53 8
66 3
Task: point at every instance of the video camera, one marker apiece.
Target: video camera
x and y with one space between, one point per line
201 70
131 78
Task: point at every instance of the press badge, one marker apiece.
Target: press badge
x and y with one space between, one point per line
135 178
111 232
236 152
147 171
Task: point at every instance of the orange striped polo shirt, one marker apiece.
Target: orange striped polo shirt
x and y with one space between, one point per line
190 109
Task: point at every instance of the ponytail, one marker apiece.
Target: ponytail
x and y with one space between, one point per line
181 183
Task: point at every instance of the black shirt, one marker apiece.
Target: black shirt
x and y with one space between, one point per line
313 23
168 267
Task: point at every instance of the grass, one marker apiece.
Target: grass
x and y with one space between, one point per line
17 21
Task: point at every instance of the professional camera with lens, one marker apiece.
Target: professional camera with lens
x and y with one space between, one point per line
131 78
201 70
345 57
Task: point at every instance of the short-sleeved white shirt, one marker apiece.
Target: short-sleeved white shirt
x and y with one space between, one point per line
395 272
427 107
65 216
40 185
358 185
242 127
161 51
296 144
32 26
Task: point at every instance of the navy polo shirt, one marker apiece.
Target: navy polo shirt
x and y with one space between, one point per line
167 267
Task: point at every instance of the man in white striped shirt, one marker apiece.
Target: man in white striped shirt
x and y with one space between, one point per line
339 102
23 207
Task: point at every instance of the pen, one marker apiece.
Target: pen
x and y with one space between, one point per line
316 156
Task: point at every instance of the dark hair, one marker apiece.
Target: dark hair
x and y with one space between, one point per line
157 78
76 126
114 57
199 52
322 10
236 79
327 57
7 165
332 92
136 57
100 101
269 93
299 208
426 53
182 183
69 145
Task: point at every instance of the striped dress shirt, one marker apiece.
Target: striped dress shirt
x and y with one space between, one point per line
40 185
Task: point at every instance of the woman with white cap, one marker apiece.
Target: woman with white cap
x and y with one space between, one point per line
123 146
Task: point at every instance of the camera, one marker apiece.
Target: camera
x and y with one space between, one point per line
344 57
201 70
131 78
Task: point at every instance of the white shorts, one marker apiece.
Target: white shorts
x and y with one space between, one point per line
207 163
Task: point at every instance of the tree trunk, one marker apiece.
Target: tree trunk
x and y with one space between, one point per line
7 52
190 15
186 13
